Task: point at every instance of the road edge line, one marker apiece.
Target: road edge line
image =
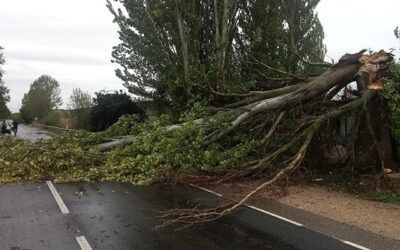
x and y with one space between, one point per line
253 207
355 245
275 215
207 190
285 219
57 197
83 243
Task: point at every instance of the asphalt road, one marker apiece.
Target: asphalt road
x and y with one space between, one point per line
31 134
122 216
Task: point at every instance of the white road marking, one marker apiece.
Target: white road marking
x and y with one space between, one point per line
255 208
207 190
355 245
275 215
283 218
57 196
83 243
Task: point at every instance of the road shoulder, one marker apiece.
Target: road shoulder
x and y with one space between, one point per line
311 210
377 217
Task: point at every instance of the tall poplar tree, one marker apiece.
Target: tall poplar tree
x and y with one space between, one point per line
172 51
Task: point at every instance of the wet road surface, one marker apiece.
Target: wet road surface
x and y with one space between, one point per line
31 134
121 216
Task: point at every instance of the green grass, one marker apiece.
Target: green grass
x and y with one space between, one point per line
387 192
387 196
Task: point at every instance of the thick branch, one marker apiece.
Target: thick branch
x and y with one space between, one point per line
261 95
338 74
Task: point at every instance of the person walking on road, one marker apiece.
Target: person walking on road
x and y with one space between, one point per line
15 127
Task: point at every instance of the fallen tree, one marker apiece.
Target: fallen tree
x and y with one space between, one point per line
260 107
314 97
261 134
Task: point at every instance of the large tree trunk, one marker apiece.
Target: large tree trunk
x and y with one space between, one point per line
341 74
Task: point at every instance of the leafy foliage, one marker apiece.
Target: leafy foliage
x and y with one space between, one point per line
16 117
4 96
80 104
52 118
393 98
4 111
44 95
157 153
282 34
59 159
124 126
109 107
175 51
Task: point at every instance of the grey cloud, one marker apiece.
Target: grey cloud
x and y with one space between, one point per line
62 57
53 32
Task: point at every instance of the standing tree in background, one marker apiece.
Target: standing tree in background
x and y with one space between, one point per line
4 96
4 111
175 51
109 107
277 37
80 104
44 95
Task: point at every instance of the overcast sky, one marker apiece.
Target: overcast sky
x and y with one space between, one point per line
71 40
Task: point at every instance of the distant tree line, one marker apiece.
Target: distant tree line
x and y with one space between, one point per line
43 96
43 100
109 107
4 91
100 112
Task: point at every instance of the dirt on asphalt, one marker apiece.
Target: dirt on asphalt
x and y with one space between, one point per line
377 217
